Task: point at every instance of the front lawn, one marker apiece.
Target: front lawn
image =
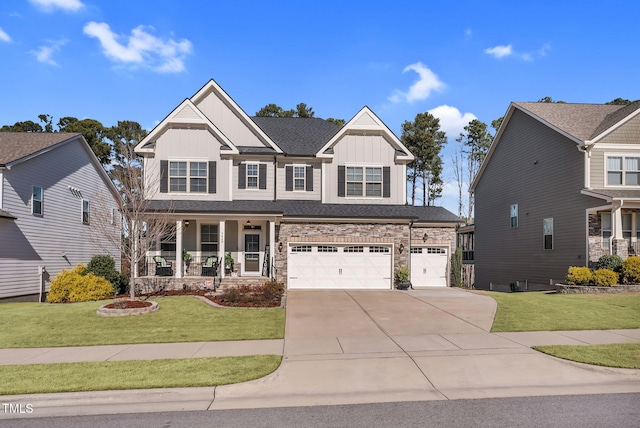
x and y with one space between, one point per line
179 319
539 311
624 355
110 375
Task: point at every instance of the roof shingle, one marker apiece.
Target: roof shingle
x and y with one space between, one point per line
297 136
17 145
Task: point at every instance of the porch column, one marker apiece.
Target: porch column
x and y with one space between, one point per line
616 215
272 248
619 245
179 268
221 247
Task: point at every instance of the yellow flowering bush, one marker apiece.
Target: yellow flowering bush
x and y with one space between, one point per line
75 285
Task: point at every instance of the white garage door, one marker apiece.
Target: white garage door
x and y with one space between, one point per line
339 266
429 266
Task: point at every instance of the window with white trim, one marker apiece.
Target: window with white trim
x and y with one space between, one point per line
36 200
301 249
514 215
85 211
209 239
623 171
416 250
355 249
364 181
327 249
436 251
252 176
547 232
188 177
606 229
378 249
299 179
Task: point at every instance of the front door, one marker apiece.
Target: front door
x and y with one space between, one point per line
252 252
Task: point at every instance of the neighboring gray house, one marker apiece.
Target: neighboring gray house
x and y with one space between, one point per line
297 199
559 187
53 193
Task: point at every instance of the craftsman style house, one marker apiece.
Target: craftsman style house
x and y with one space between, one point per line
53 194
301 200
559 187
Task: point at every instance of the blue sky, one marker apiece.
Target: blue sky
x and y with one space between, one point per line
116 60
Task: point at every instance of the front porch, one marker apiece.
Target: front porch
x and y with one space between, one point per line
614 230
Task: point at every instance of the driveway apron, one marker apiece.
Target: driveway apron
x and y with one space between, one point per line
347 346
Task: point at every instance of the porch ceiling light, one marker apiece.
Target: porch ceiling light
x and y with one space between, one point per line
186 223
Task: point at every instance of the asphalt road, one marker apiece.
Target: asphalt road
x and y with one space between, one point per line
610 410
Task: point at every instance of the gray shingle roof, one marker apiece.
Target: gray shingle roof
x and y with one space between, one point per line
578 120
297 136
617 193
17 145
615 117
310 209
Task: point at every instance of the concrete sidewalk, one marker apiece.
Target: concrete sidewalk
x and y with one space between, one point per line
347 347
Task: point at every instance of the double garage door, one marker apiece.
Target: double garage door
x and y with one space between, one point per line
356 266
339 266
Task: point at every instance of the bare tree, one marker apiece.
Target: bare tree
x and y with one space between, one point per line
457 161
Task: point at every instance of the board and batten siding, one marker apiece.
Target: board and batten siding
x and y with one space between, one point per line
365 150
543 172
188 144
31 240
284 194
226 119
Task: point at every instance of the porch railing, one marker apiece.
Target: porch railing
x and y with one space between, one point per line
196 267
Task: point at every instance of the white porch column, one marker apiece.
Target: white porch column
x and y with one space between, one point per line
616 215
221 246
272 247
179 269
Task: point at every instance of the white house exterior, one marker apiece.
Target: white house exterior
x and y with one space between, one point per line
297 199
52 188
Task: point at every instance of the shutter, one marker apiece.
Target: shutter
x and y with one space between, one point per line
242 176
164 176
288 172
386 182
341 180
212 177
262 176
309 178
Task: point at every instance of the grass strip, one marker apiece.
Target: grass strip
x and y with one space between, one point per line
625 355
120 375
539 311
179 319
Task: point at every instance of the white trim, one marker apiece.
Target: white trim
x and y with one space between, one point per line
616 146
304 178
2 187
427 245
41 213
242 250
606 170
246 175
616 126
323 184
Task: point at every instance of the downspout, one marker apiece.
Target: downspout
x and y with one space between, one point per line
275 178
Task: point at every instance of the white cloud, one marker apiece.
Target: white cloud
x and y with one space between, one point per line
499 51
141 49
420 90
544 50
4 36
44 54
452 121
66 5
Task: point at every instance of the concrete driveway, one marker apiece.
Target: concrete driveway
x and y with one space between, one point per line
344 347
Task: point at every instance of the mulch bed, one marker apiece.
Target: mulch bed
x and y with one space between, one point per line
217 299
128 304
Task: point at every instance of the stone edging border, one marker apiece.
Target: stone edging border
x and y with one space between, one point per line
215 305
104 312
592 289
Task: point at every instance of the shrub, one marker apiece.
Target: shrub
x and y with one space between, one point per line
610 261
631 270
605 277
105 266
402 274
456 268
579 275
78 285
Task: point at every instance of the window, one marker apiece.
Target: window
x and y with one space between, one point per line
299 178
606 229
378 249
436 251
626 227
209 239
168 244
514 215
327 249
623 171
301 249
196 176
252 176
547 230
85 212
415 250
36 200
358 249
369 180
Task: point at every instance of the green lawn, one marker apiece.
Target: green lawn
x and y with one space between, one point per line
179 319
110 375
625 355
540 311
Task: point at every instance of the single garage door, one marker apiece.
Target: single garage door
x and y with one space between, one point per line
339 266
429 266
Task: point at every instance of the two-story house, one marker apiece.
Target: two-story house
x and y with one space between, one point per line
302 200
559 187
58 208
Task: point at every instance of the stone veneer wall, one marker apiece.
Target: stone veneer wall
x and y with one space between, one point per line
341 233
435 236
595 239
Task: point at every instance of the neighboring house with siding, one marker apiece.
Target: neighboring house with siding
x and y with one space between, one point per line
301 200
559 187
54 195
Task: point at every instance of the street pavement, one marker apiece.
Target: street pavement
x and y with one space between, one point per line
350 347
